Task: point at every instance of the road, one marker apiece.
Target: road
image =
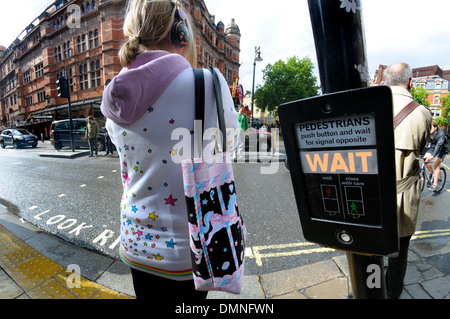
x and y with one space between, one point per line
78 200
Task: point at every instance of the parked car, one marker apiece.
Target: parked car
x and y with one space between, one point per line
60 134
17 138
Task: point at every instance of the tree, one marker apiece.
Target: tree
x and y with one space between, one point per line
444 119
286 82
420 95
445 101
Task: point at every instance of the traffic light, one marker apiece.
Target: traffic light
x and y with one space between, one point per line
62 87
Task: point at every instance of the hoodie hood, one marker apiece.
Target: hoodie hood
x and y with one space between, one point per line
136 88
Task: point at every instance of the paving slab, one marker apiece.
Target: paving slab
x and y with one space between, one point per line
286 281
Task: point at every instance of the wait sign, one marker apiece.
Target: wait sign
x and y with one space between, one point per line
345 133
340 150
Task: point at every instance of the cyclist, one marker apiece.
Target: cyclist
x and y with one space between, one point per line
437 151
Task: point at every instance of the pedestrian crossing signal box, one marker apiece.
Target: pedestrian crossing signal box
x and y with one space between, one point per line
340 151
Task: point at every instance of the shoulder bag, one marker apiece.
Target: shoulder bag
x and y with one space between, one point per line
216 229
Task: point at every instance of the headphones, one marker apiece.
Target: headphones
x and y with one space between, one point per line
179 34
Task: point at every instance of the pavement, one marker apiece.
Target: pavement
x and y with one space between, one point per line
35 264
38 265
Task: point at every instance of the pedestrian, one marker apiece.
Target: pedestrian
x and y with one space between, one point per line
243 123
148 105
437 150
411 136
92 135
108 144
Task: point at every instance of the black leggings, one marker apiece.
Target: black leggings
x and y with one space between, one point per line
148 286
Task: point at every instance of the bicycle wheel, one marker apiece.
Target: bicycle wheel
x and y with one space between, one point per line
423 180
442 179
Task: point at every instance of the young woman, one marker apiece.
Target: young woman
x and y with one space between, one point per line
151 100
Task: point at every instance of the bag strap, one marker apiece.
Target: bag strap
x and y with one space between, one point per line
404 113
219 104
199 111
200 107
199 95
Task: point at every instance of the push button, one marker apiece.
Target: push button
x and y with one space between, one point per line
344 237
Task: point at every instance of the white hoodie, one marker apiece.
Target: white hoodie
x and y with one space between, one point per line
150 108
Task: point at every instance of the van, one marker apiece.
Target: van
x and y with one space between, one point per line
60 134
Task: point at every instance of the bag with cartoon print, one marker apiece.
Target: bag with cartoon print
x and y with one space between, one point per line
216 229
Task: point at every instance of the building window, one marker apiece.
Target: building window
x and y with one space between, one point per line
39 70
67 50
83 76
58 56
91 40
41 96
93 4
27 77
96 38
83 42
88 7
71 80
95 74
29 100
437 99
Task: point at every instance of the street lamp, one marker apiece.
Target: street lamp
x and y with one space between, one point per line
257 59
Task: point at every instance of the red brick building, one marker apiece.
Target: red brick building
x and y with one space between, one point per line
426 71
432 78
81 39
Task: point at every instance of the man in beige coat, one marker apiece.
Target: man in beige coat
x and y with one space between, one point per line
92 135
411 137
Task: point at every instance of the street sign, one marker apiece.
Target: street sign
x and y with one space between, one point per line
340 149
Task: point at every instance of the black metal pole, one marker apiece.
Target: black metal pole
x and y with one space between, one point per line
67 87
253 90
340 47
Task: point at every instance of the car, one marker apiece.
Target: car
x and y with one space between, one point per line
17 138
60 134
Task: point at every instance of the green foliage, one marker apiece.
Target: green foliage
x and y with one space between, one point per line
286 82
444 119
441 122
445 101
420 95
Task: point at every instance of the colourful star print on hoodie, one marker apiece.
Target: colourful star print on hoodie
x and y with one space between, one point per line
150 111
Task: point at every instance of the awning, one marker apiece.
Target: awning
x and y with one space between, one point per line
78 105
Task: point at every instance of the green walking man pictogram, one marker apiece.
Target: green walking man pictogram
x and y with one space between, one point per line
354 208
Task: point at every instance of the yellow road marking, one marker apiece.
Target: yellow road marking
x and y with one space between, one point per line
431 233
282 250
256 250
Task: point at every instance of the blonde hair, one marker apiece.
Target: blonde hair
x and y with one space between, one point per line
148 23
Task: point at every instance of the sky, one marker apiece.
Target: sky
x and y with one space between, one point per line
412 31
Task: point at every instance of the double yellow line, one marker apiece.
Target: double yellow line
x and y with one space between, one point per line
276 251
430 233
256 251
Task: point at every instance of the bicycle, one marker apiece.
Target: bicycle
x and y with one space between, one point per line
427 178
